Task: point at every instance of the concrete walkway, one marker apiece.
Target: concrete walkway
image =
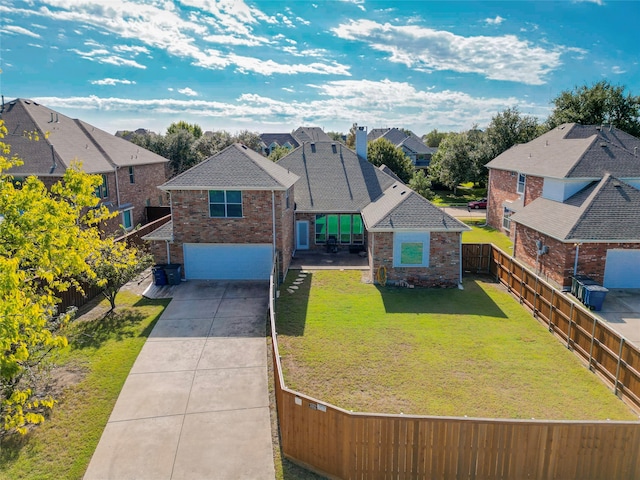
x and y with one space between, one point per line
195 404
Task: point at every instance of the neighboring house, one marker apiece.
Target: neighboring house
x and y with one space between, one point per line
419 153
569 200
270 141
130 174
319 197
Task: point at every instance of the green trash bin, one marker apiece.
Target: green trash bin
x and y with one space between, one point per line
173 273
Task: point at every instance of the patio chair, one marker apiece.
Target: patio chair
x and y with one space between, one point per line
332 244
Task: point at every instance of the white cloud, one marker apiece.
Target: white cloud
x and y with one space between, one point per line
338 104
112 82
597 2
14 29
617 70
35 45
188 92
161 25
503 57
494 21
102 55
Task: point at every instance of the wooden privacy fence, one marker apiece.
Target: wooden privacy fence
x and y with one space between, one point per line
604 350
348 445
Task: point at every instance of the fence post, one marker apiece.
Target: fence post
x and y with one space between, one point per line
535 298
522 282
593 339
615 389
552 325
570 322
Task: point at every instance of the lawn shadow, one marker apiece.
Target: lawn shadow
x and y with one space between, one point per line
449 301
116 325
293 302
11 445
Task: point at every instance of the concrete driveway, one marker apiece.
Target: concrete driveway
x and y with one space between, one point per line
195 404
621 311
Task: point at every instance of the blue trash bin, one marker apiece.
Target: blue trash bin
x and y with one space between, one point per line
159 275
594 296
582 285
576 281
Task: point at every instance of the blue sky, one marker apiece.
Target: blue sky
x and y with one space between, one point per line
272 66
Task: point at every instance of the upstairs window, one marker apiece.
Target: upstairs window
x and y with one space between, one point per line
506 218
102 191
522 178
132 178
225 203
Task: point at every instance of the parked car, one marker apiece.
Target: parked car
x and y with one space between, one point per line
482 203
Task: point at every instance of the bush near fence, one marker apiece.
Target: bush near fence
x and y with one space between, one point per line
75 298
347 445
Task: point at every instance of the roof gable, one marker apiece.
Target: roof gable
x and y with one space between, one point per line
603 211
400 208
333 178
66 140
310 134
236 167
574 151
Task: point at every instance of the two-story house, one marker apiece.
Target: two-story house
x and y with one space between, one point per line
130 174
569 201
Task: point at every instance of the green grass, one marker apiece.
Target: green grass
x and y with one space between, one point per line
465 193
473 352
486 234
100 354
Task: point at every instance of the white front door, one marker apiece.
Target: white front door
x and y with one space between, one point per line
302 235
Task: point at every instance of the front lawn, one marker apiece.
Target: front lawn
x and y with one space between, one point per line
90 376
473 352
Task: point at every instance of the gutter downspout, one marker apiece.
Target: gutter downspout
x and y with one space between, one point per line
115 171
168 252
273 221
575 262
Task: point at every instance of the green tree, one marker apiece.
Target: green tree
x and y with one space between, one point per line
46 237
382 151
421 184
454 162
212 143
180 152
433 138
337 137
192 128
116 264
278 152
597 104
250 139
351 137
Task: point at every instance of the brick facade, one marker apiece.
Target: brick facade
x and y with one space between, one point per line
557 265
444 260
192 224
503 187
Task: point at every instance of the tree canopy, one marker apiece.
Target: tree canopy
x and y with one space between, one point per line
192 128
599 103
433 138
383 152
46 237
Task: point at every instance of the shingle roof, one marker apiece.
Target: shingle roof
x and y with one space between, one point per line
67 140
574 151
602 211
164 232
400 208
333 178
416 145
310 134
279 138
236 167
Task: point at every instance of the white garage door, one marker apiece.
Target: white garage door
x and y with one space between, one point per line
622 269
211 261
